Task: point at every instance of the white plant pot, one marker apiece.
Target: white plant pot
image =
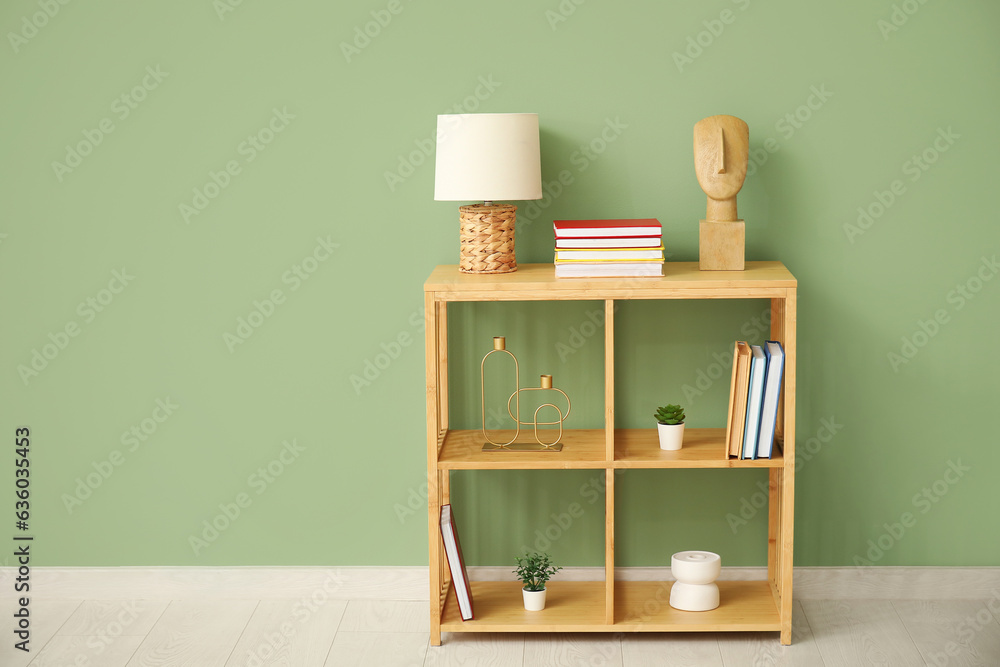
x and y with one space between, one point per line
671 436
533 600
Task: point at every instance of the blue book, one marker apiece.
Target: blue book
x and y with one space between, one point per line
772 389
758 369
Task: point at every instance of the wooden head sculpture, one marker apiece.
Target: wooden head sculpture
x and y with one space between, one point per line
721 147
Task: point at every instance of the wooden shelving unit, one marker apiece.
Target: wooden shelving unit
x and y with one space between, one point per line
609 605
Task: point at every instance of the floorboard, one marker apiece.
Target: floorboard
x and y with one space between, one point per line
859 633
45 616
487 649
691 649
288 632
572 649
957 633
194 633
73 650
761 648
384 649
385 616
113 618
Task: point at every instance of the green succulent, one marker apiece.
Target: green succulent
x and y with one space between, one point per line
534 570
670 414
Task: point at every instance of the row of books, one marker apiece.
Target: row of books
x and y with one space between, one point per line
753 399
589 248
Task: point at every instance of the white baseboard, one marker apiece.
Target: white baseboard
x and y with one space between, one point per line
255 583
411 583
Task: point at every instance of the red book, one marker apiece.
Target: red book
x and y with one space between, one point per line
610 228
459 578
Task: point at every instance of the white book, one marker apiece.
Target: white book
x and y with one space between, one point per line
459 578
772 389
608 253
610 269
633 242
758 369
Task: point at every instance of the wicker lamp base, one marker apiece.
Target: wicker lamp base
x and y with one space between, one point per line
487 236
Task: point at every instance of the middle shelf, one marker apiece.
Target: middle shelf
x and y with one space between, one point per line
587 449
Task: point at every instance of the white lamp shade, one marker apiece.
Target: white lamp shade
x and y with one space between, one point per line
487 157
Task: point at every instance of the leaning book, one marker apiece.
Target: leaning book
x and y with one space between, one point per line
452 548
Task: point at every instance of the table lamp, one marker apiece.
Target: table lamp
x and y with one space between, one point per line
487 157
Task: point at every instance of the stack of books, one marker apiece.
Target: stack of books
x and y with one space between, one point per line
753 399
589 248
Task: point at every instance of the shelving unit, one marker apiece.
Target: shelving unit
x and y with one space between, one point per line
609 605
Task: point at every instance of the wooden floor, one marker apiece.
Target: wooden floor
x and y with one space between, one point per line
317 632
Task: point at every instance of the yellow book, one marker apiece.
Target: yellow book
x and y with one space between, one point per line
609 254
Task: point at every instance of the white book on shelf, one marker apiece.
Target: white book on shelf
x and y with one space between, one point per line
608 269
772 389
599 254
459 578
758 369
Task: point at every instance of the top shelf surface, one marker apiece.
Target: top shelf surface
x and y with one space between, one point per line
680 280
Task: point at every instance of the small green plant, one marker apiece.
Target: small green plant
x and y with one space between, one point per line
534 570
670 415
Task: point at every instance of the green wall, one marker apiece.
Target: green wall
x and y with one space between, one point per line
233 158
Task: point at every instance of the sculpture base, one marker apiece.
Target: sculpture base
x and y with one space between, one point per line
694 597
720 245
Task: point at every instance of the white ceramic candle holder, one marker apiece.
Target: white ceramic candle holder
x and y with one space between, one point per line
695 588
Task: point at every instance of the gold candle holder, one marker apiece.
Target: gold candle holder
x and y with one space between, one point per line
499 345
545 383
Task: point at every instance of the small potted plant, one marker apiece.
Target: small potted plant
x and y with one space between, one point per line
534 570
670 426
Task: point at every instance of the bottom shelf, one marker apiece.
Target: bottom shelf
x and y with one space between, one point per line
745 606
570 606
640 606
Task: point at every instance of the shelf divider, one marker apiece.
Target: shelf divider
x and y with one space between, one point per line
609 473
609 546
609 378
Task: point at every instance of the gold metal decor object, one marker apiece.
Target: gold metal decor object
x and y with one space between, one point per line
499 345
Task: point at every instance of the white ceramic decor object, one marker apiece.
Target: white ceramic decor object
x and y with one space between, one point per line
671 436
533 600
695 588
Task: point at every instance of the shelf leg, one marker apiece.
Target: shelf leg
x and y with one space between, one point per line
609 473
442 361
781 523
609 546
432 337
774 532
